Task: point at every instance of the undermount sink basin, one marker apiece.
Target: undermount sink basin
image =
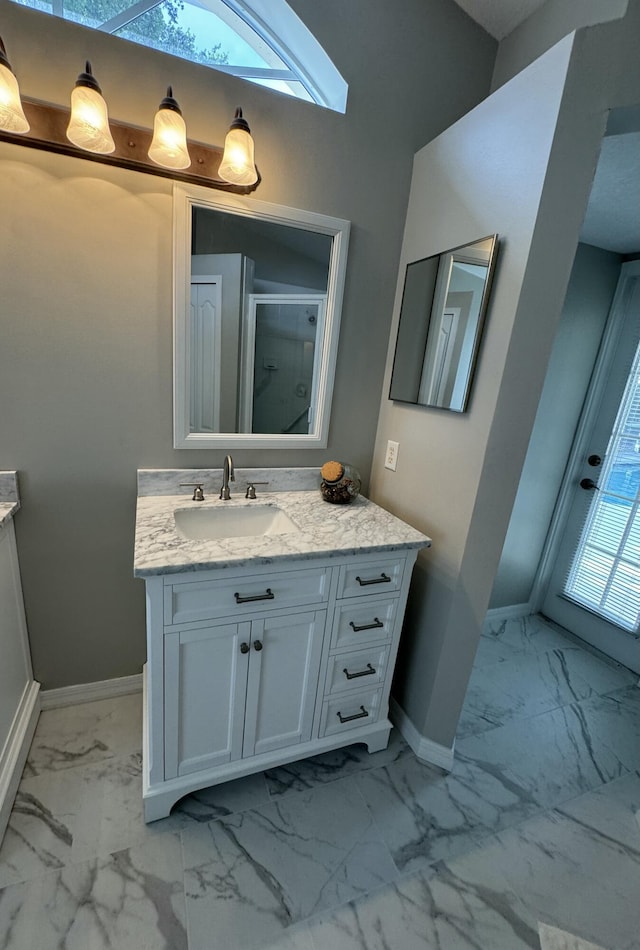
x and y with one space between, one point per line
213 524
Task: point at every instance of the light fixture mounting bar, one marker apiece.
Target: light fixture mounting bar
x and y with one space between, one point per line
48 126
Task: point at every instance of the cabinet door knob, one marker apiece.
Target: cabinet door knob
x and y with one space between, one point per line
244 647
257 645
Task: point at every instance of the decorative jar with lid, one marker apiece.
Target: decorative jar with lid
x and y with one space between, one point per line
340 482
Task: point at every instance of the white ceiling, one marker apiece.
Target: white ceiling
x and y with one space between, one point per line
612 220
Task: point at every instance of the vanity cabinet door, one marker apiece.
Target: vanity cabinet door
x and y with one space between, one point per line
282 682
205 684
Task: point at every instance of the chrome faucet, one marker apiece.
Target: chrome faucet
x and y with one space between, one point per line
228 475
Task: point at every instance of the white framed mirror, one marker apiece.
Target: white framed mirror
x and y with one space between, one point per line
257 303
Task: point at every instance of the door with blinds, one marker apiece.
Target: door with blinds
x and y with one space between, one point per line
594 588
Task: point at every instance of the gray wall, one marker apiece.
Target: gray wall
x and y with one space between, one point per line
458 476
85 271
591 288
553 20
457 473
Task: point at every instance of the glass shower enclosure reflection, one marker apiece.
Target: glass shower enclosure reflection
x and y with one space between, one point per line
282 335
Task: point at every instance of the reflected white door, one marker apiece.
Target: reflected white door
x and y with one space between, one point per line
445 346
594 588
205 355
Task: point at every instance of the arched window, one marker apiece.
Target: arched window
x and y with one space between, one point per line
263 41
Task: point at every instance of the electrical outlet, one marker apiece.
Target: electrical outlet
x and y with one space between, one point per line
391 458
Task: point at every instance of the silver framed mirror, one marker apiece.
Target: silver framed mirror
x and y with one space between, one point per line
257 304
444 304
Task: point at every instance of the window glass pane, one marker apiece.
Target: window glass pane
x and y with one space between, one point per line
591 576
622 603
193 33
211 33
632 547
44 5
609 523
92 13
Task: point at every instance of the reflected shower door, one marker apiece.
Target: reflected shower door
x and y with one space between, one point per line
283 334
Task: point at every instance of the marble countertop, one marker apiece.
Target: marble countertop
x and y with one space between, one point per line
326 530
7 510
9 495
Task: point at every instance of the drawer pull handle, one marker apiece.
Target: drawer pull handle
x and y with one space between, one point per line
268 595
370 671
366 626
257 645
244 647
360 715
383 579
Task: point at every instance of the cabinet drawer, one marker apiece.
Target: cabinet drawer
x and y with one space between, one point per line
363 621
244 596
342 713
352 670
365 578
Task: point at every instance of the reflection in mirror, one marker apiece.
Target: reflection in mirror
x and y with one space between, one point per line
441 316
280 378
258 291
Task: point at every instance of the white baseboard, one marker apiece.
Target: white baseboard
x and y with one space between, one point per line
16 748
507 613
425 749
90 692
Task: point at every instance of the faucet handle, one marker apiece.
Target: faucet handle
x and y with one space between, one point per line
198 494
251 489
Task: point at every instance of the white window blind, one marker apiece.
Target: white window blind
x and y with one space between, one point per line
604 575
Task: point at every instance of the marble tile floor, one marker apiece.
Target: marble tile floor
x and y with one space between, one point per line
532 841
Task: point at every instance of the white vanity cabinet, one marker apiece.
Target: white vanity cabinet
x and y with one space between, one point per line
250 668
239 689
19 692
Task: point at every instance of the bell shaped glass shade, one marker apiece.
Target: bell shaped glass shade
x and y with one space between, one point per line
12 118
169 144
237 165
89 123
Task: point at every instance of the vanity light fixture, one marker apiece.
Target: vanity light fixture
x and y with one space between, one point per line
237 165
89 123
86 132
12 117
169 145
